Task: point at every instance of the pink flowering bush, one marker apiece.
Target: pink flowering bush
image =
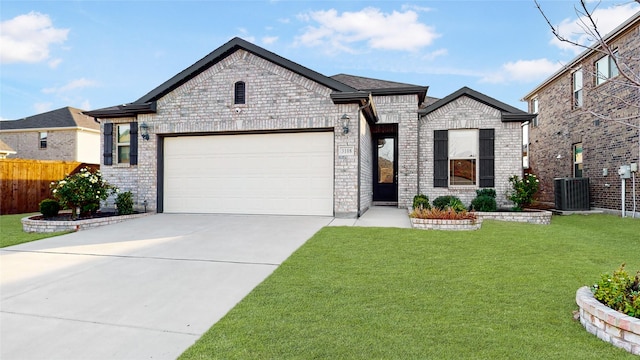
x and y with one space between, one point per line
83 190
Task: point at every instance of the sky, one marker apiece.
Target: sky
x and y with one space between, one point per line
95 54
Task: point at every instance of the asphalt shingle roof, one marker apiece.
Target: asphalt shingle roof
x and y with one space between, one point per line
66 117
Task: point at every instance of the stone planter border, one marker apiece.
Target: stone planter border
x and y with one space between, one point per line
540 217
612 326
437 224
46 226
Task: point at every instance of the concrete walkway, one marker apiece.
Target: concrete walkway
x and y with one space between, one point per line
378 216
146 288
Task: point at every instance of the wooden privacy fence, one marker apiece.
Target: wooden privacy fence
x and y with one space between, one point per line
25 183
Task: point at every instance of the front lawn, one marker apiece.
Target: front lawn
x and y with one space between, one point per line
506 291
11 231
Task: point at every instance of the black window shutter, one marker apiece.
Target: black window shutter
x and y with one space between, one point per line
487 157
108 144
440 158
133 143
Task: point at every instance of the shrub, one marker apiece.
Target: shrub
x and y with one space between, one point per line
449 202
447 214
421 201
484 203
523 190
49 208
82 190
486 192
620 292
124 203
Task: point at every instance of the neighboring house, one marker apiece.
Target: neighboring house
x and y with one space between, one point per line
569 138
5 150
246 131
64 134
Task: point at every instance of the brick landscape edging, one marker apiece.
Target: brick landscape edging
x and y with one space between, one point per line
541 217
437 224
612 326
45 226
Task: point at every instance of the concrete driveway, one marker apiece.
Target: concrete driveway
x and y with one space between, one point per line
146 288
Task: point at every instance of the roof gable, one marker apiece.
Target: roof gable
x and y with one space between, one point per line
227 49
66 117
509 113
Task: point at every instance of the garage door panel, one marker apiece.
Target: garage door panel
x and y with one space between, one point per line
254 174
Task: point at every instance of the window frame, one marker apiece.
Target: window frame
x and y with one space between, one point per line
121 144
474 157
239 93
578 159
42 140
577 98
611 68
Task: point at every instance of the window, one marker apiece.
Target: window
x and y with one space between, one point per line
577 160
43 139
464 157
123 143
126 143
534 110
577 89
606 68
239 93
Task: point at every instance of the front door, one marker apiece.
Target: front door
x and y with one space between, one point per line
385 168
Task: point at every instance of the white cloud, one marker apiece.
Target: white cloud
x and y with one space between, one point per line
27 38
54 63
42 107
382 31
85 105
523 71
72 85
606 20
435 54
269 39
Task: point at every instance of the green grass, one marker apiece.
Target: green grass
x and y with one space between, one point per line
11 231
506 291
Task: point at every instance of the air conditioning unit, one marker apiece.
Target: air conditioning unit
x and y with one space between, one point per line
571 193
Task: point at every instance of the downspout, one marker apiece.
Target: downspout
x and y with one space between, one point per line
359 197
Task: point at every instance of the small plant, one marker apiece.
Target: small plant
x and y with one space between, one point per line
49 208
449 202
486 192
523 190
620 291
124 203
447 214
83 190
421 202
484 203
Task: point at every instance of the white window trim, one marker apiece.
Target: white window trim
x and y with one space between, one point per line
579 102
41 139
609 72
119 144
476 157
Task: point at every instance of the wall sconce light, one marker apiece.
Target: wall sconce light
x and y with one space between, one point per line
144 131
344 120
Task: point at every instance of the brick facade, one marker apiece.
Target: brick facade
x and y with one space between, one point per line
607 144
282 97
467 113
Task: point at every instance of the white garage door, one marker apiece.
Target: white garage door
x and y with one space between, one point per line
284 174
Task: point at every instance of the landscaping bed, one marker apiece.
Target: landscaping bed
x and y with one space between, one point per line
63 222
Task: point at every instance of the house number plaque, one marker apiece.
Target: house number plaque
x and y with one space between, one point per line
346 151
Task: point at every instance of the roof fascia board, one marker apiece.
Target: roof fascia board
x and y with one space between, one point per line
41 129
